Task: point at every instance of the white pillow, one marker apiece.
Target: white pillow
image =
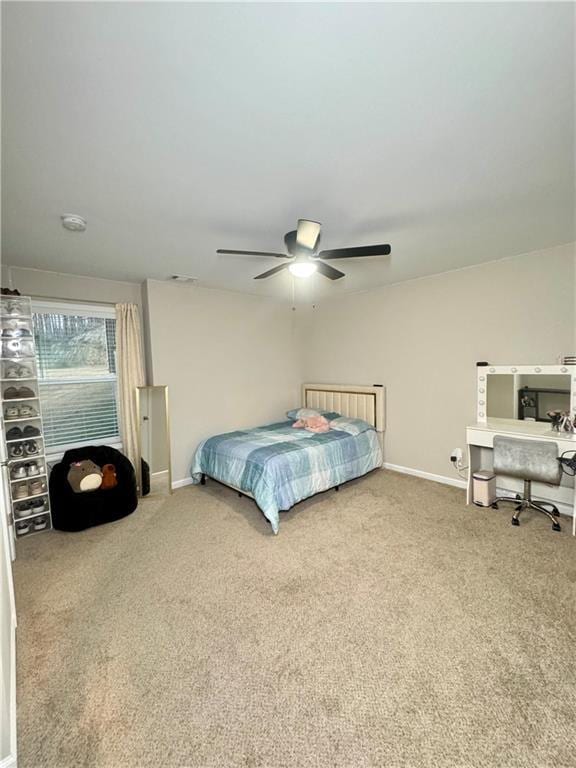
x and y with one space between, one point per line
352 426
302 413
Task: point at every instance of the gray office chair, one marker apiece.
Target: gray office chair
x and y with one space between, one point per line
529 460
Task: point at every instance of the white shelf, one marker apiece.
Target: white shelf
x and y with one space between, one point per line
21 418
18 399
16 459
27 478
30 517
29 498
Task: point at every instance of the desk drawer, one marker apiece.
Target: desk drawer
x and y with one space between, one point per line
485 438
480 437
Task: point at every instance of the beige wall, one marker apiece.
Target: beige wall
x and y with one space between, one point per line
232 360
421 339
228 359
56 285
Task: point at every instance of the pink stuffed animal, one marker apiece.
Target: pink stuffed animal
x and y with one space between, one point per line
315 424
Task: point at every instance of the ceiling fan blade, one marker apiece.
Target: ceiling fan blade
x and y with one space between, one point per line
271 272
307 233
353 253
254 253
328 271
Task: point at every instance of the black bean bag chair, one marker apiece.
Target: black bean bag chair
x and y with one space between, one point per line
73 511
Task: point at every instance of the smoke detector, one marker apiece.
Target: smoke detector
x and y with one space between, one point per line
73 222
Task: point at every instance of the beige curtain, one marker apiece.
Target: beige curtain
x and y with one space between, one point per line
130 370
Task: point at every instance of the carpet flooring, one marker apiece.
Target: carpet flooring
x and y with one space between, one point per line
386 625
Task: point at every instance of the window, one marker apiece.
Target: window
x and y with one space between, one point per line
75 355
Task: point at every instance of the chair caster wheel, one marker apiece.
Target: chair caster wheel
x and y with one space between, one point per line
494 506
515 521
518 497
556 527
556 512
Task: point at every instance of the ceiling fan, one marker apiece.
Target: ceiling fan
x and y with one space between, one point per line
303 257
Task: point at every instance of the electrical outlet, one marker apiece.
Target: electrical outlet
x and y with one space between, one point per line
456 456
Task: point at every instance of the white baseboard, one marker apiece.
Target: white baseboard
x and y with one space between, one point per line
395 467
455 481
563 507
181 483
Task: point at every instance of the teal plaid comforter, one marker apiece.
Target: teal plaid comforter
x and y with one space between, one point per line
280 465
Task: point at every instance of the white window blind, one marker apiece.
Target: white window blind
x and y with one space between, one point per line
75 355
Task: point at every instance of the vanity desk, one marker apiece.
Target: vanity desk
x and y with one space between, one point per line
499 392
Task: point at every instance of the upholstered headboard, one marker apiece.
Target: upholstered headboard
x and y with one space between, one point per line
356 402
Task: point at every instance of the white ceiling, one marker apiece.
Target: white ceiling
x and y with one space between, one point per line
446 130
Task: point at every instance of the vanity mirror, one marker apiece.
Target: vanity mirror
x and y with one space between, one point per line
154 440
525 393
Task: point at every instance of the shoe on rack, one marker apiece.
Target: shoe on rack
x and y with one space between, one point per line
35 487
12 348
14 434
23 393
9 330
24 372
37 505
22 528
11 393
20 491
11 372
15 451
23 509
13 308
19 472
27 412
32 469
11 412
40 523
30 431
31 448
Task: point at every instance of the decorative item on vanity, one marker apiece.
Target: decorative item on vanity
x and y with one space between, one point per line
562 421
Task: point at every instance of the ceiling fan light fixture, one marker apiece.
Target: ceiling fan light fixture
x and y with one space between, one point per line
302 268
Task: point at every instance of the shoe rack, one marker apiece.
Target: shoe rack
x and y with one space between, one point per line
22 418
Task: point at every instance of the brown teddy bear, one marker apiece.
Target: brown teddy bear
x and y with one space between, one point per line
109 479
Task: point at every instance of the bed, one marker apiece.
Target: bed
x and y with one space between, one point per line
278 466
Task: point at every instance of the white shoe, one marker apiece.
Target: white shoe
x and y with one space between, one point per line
22 528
